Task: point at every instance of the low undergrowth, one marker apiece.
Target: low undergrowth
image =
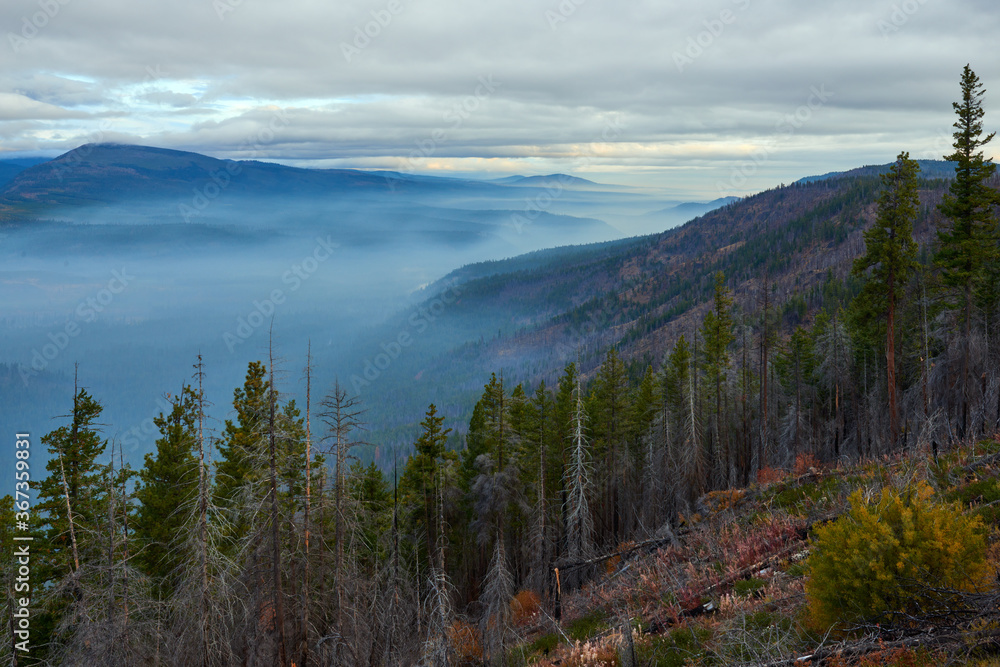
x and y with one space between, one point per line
733 588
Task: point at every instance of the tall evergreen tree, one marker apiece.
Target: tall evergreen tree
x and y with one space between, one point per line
70 498
968 243
71 502
834 353
796 364
495 485
563 408
421 478
718 334
609 411
541 464
889 261
167 491
496 494
241 450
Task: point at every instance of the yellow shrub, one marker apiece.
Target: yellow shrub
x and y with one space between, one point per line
885 557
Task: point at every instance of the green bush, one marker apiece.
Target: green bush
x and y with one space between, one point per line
802 497
544 644
978 495
795 570
746 587
586 626
881 556
682 646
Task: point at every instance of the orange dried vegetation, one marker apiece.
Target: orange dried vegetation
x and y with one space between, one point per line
525 606
769 475
465 642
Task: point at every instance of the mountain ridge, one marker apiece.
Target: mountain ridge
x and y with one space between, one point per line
638 295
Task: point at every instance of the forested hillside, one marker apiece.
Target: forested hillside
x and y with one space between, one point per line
743 441
787 251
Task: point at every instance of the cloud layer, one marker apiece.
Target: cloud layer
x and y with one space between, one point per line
727 96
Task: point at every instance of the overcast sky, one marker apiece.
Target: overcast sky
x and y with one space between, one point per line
702 98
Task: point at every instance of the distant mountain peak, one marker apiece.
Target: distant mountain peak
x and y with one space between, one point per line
114 151
562 180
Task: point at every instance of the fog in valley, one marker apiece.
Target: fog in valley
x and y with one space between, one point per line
133 288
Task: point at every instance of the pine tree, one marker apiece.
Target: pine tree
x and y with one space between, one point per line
563 408
495 492
71 501
539 458
370 493
889 261
645 401
495 485
834 352
167 490
241 466
71 496
968 243
420 478
204 498
796 364
609 409
718 333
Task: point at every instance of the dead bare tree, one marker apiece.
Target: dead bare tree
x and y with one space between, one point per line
111 619
579 521
304 631
202 514
342 415
498 589
277 593
436 649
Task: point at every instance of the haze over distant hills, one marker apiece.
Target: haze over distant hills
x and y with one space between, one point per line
556 180
531 315
146 184
115 184
212 250
209 250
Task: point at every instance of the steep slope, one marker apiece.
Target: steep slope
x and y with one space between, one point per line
729 586
11 168
533 314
